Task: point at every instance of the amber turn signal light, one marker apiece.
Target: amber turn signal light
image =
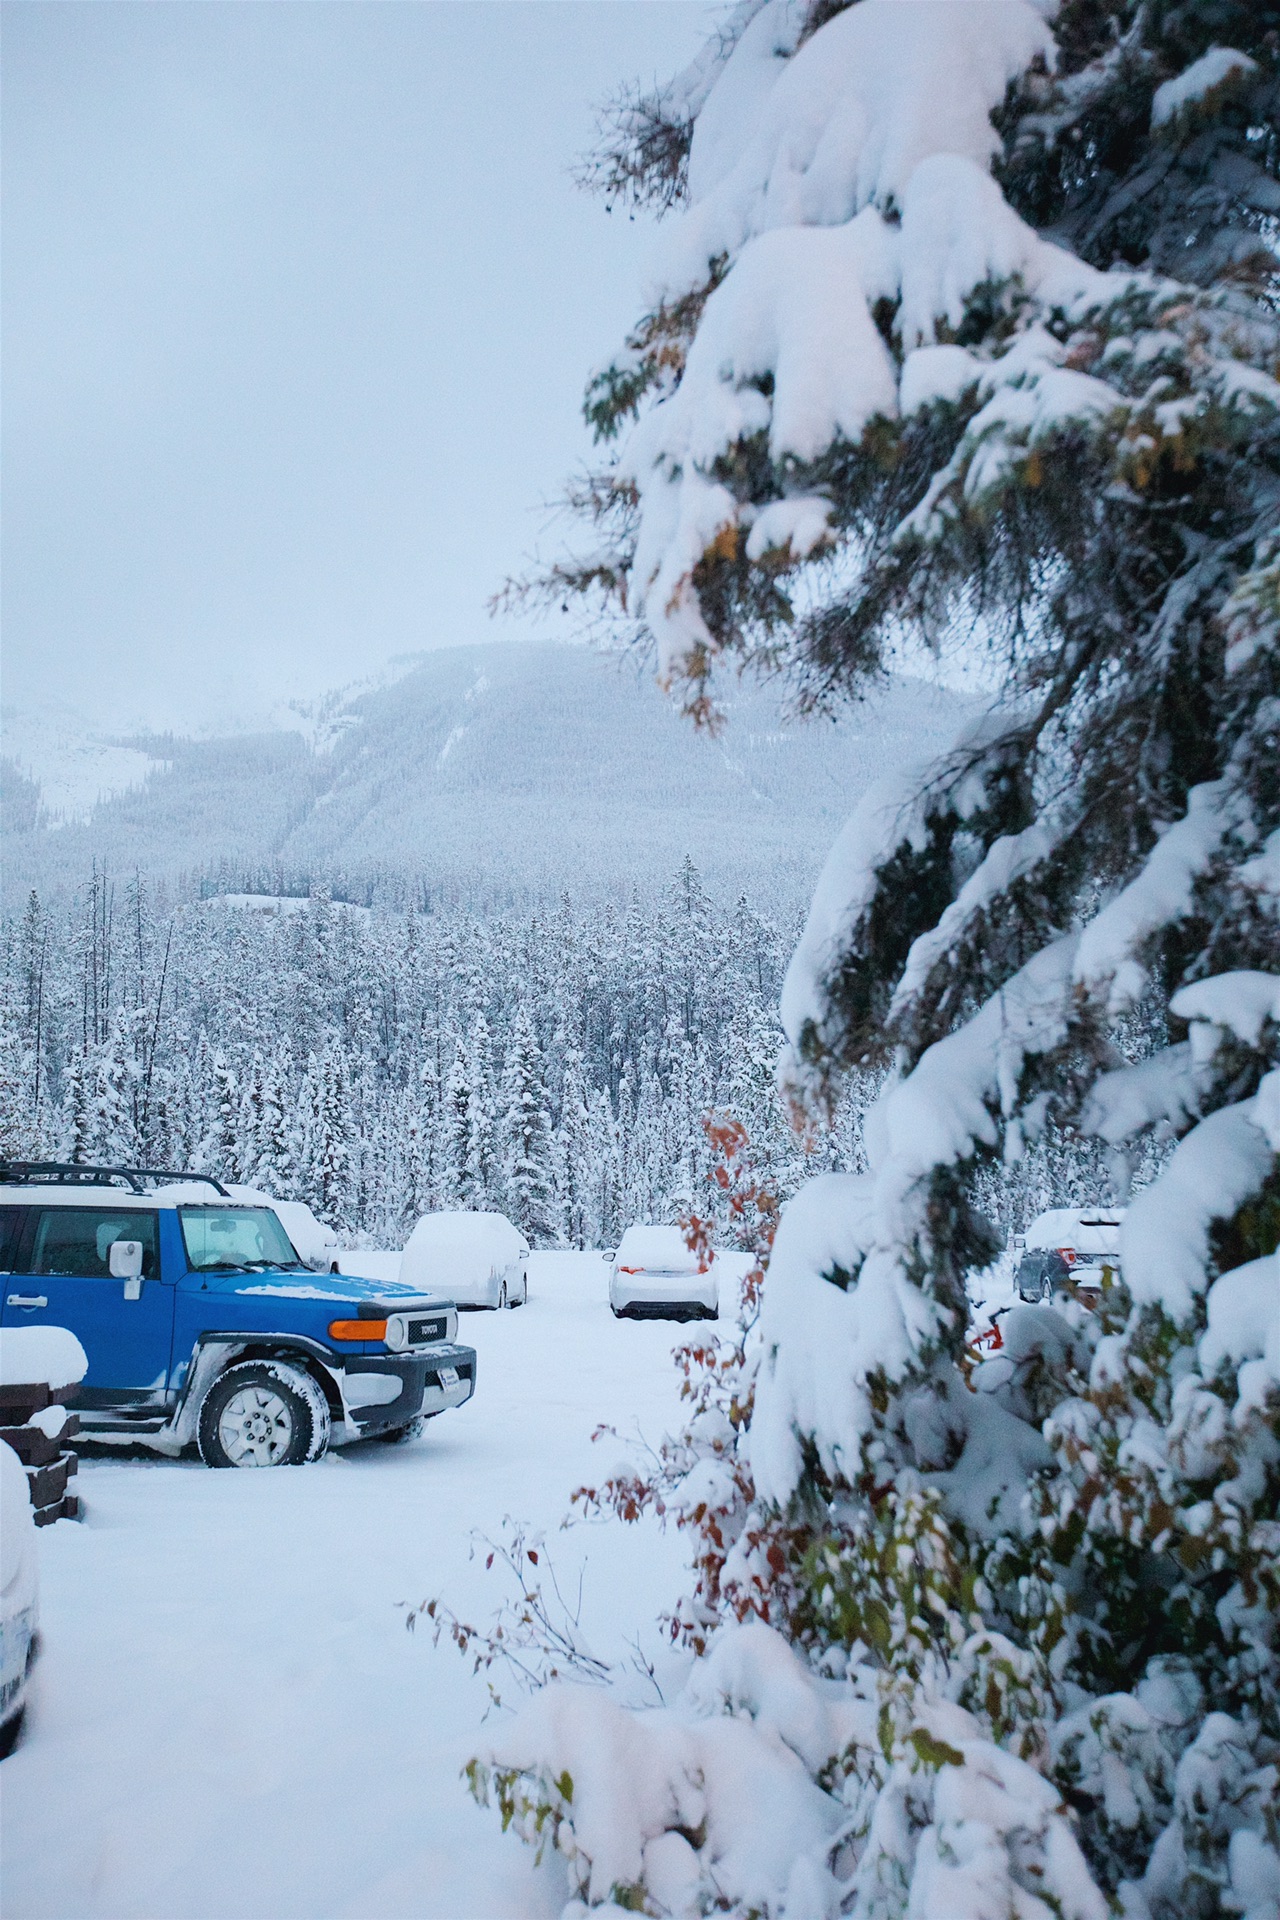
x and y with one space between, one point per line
358 1329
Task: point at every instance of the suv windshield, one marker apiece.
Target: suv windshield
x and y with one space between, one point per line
235 1237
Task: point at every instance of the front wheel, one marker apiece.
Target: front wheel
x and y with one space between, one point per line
263 1413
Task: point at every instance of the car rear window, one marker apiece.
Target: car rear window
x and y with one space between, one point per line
78 1240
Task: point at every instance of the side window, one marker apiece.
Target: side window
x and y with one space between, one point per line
77 1241
11 1220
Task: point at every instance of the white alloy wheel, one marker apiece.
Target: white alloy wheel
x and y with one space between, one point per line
263 1413
256 1427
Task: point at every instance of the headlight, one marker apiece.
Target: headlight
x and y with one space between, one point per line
397 1333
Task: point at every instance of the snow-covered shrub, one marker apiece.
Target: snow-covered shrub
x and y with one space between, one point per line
700 1478
1017 1622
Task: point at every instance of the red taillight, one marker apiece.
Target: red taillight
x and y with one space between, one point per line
630 1269
1068 1254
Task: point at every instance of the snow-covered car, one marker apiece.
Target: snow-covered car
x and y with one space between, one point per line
371 1263
1069 1245
17 1594
475 1259
317 1243
654 1276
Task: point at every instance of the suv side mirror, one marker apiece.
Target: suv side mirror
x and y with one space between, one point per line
124 1261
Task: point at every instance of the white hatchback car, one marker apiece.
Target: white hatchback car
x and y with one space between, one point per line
654 1276
473 1259
17 1594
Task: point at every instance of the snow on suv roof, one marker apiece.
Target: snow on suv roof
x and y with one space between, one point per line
1084 1229
178 1193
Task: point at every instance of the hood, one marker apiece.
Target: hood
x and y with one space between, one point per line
330 1289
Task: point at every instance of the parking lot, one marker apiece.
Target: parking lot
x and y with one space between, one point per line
230 1721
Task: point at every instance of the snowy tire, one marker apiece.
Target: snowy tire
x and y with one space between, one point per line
10 1730
263 1413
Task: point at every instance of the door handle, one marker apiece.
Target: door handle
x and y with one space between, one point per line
28 1300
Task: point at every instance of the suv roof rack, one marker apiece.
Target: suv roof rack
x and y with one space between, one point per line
28 1173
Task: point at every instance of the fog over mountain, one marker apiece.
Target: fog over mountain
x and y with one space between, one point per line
486 773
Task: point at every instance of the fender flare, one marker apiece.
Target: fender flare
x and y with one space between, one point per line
214 1352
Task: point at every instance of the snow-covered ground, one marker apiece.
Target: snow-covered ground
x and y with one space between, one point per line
230 1721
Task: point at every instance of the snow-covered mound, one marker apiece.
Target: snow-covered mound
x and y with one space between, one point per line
51 1355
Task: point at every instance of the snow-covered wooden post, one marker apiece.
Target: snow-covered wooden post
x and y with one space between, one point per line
40 1371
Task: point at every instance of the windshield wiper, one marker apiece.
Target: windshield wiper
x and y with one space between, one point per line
252 1266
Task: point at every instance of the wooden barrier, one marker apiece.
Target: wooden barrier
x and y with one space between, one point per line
49 1462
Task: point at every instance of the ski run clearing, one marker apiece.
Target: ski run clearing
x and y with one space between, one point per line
228 1697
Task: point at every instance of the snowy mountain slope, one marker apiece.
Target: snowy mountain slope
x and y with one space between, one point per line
487 770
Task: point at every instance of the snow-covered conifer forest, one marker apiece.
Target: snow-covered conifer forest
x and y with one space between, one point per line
965 335
553 1065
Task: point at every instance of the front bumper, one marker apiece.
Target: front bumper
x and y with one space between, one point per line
383 1391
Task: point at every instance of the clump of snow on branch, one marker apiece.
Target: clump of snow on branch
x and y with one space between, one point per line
1160 893
844 124
1164 1243
788 349
1204 76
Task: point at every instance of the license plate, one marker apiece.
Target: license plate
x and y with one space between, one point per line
448 1376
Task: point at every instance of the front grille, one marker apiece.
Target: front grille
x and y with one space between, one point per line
422 1332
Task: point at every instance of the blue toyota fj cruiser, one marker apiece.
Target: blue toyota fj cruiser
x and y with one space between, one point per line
201 1323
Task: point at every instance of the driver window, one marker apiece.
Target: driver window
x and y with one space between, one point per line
77 1241
11 1224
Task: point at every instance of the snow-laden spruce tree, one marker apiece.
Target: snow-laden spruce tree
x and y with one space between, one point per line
964 333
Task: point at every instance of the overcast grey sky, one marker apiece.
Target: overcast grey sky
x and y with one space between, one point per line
299 304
